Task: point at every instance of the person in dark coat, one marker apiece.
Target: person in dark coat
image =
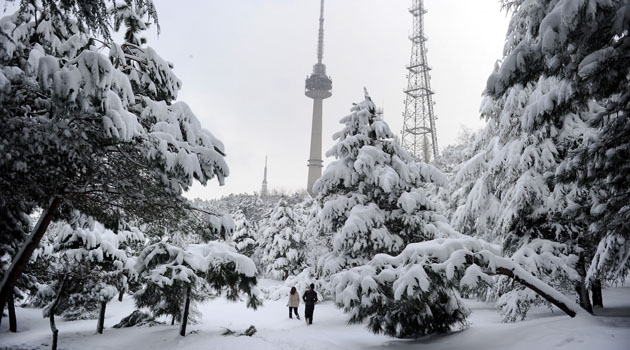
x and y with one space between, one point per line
309 298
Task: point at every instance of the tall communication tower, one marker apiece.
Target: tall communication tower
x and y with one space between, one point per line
418 132
318 87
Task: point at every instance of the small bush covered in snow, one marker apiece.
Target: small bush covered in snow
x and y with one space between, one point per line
244 236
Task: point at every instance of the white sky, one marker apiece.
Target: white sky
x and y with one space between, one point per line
243 65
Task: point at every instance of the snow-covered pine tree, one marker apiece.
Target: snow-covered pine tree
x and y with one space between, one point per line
375 201
282 248
475 217
308 212
537 103
177 277
244 236
599 166
252 206
315 245
453 155
373 195
101 134
450 161
532 126
161 293
166 295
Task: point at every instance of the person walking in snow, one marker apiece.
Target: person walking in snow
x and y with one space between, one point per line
309 298
294 302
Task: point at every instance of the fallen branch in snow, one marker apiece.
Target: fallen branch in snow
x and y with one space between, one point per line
552 262
557 302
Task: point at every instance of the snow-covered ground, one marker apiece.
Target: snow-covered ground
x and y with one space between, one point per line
541 330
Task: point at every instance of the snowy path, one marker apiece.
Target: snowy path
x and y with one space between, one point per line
542 330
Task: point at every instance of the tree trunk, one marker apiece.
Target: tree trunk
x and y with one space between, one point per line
101 318
173 320
182 328
562 306
584 298
24 254
120 295
52 310
596 289
11 309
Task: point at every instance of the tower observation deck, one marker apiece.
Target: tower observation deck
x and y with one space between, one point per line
318 87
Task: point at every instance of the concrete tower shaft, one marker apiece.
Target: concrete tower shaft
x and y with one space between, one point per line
318 87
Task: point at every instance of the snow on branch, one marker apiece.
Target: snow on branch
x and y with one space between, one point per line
85 239
611 260
164 263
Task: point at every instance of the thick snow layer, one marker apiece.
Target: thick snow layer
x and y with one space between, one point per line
202 257
541 330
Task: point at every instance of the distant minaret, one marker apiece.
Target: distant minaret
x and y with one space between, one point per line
263 190
318 87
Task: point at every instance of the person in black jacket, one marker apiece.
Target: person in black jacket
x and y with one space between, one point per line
309 298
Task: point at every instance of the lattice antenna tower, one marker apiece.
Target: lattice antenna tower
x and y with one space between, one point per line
418 133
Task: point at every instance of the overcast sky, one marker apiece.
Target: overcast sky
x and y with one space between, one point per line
243 65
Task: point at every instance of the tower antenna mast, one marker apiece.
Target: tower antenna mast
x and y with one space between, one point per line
418 133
